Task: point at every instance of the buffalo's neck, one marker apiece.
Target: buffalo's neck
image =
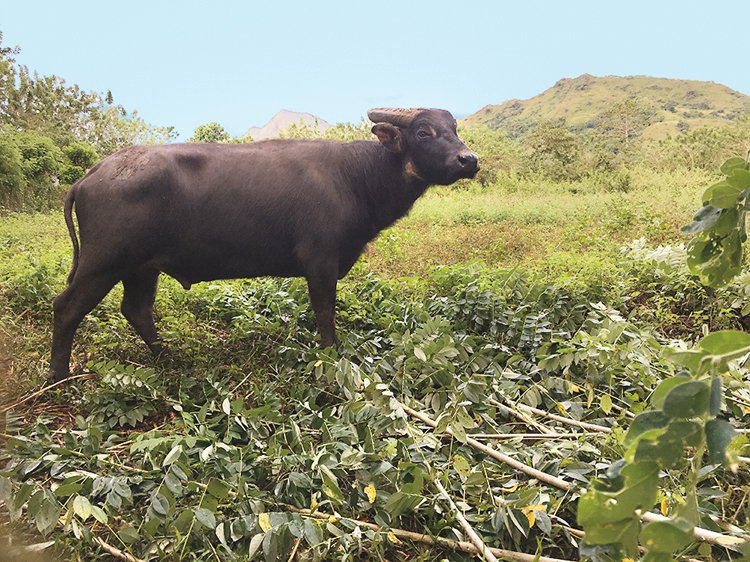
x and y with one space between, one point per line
388 191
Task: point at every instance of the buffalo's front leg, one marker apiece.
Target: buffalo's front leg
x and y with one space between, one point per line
321 283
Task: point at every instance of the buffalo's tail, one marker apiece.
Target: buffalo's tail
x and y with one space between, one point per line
69 201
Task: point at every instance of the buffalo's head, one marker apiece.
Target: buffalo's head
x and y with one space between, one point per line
428 142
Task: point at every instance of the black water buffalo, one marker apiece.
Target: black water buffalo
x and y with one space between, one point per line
286 208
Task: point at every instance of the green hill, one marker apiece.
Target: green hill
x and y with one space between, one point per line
672 105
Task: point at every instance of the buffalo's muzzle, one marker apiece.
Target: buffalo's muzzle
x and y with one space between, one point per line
468 161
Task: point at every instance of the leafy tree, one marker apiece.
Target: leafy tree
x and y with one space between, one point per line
12 180
210 132
626 120
80 156
554 150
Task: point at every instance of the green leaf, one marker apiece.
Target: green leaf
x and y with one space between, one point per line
226 405
69 488
687 400
729 344
732 164
218 488
98 514
48 514
129 534
639 491
719 433
643 422
704 219
313 533
716 260
739 178
660 393
330 484
666 536
722 195
690 359
183 521
255 544
666 446
461 465
401 502
173 455
82 507
623 532
205 518
420 354
606 404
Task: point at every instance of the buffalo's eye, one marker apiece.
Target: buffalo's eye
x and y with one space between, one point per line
423 134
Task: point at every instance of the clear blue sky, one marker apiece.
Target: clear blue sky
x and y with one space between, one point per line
186 63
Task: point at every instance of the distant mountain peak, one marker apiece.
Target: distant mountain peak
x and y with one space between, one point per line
283 120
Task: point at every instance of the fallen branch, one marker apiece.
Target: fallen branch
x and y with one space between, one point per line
463 546
561 419
476 540
43 390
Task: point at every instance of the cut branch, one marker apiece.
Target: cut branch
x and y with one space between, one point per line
476 540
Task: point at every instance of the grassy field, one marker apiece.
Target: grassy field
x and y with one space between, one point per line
519 293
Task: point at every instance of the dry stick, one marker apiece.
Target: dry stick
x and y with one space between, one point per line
526 435
116 552
476 540
523 417
561 419
43 390
463 546
699 533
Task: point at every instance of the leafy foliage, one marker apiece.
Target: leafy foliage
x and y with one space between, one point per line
715 253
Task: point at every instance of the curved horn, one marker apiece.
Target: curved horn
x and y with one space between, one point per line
395 116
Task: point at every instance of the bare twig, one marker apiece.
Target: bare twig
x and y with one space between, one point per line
476 540
43 390
116 552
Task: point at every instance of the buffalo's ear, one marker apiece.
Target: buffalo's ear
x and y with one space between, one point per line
389 136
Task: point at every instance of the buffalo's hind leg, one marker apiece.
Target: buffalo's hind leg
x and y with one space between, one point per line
86 290
138 306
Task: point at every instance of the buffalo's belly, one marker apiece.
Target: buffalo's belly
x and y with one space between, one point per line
193 265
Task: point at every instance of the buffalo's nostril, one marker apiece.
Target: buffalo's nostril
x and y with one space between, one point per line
468 160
